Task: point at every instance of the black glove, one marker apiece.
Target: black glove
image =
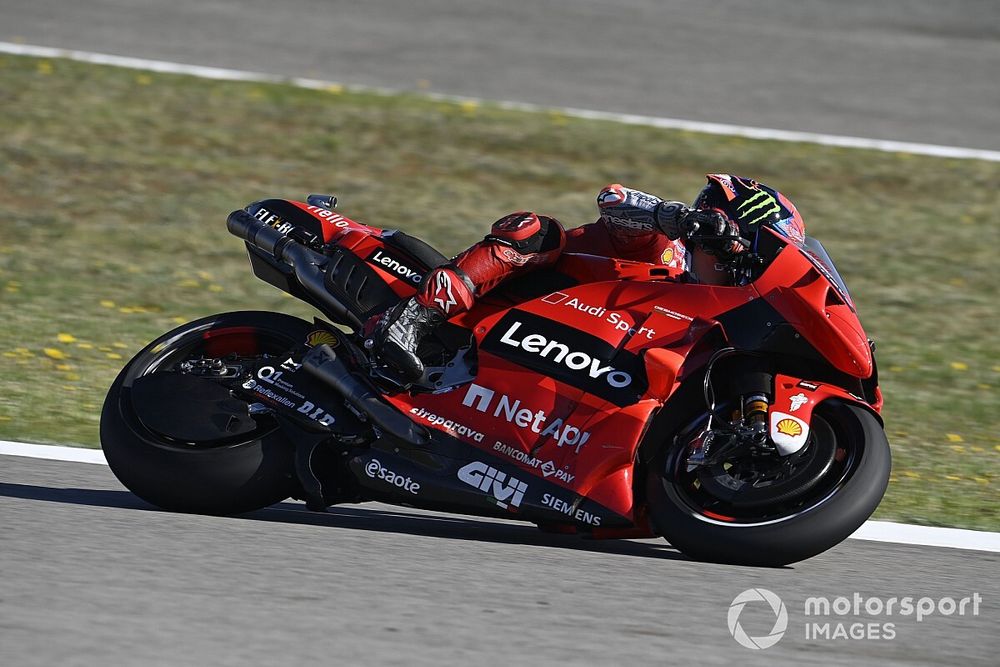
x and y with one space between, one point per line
707 224
671 219
678 221
714 233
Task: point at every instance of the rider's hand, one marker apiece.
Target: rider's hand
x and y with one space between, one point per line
706 223
713 232
678 221
671 218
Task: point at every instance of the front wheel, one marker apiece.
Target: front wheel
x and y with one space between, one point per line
748 514
173 434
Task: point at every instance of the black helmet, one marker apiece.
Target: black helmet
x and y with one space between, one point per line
749 205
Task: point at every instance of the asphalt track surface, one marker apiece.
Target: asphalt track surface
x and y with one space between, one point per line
904 70
91 575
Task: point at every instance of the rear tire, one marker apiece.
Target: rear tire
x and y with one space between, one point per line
791 534
221 477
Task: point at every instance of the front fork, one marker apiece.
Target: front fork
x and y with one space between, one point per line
772 419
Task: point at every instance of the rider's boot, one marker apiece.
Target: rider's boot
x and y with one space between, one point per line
445 292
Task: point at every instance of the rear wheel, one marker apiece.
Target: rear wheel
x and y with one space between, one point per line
771 512
175 437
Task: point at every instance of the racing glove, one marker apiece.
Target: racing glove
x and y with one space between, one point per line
630 212
714 232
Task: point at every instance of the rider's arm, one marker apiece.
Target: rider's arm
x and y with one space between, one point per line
516 243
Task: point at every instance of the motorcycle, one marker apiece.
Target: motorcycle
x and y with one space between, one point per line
601 397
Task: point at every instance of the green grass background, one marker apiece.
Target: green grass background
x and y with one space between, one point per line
115 185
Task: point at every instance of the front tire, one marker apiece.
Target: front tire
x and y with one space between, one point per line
784 533
227 475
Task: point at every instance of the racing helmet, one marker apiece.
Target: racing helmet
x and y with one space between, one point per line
750 205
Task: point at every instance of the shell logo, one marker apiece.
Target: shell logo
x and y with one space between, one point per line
667 256
789 427
317 338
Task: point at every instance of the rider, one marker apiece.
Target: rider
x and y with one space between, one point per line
633 225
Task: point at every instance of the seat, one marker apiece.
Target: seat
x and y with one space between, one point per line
414 247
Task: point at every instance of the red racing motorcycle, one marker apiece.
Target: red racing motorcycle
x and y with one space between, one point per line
600 397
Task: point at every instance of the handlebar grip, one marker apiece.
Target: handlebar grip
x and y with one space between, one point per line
256 233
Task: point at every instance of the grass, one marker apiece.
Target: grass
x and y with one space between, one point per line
115 185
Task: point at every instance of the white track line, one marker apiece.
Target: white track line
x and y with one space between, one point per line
53 452
221 73
876 531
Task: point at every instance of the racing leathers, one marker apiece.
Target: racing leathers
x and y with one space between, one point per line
633 225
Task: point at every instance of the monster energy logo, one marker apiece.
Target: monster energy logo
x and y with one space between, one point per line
761 200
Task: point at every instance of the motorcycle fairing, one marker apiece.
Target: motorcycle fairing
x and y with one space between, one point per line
806 297
533 410
456 477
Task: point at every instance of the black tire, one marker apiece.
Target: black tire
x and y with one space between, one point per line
828 517
222 477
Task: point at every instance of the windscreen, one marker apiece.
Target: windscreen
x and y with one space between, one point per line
820 258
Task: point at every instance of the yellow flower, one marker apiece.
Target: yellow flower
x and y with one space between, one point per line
469 106
215 288
64 367
66 338
334 88
189 282
120 346
85 346
912 474
107 303
54 353
113 355
144 79
954 478
954 437
44 67
959 366
178 320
